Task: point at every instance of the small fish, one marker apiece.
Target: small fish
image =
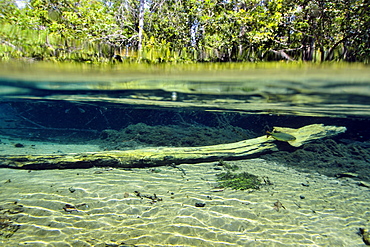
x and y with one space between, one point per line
280 136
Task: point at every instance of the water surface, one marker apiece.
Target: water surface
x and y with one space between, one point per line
333 90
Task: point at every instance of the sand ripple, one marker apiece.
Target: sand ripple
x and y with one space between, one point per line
107 210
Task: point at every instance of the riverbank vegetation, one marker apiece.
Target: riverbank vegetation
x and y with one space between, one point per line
159 31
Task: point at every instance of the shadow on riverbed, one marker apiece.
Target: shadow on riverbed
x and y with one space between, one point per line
330 157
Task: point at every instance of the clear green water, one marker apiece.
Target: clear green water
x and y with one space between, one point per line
64 108
332 90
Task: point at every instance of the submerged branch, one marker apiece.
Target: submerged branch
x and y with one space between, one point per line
168 155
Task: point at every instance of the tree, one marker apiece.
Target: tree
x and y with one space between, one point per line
186 30
325 30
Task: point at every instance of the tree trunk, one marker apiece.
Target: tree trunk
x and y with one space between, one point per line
141 24
170 155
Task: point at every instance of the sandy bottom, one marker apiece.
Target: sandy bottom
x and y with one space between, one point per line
319 211
19 147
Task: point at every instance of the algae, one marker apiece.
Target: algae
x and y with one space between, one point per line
239 181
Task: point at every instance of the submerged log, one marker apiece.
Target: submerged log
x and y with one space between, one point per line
169 155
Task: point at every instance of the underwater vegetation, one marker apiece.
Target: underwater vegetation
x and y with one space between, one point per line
227 166
239 181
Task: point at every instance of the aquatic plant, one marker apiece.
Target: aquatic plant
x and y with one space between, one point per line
227 166
239 181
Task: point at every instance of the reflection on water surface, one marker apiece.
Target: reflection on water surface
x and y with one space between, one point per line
336 90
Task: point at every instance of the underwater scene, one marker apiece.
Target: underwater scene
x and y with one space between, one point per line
221 154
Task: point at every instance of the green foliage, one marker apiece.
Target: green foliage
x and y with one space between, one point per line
239 181
64 30
186 31
326 30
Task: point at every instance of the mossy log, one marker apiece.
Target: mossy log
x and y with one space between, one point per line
169 155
